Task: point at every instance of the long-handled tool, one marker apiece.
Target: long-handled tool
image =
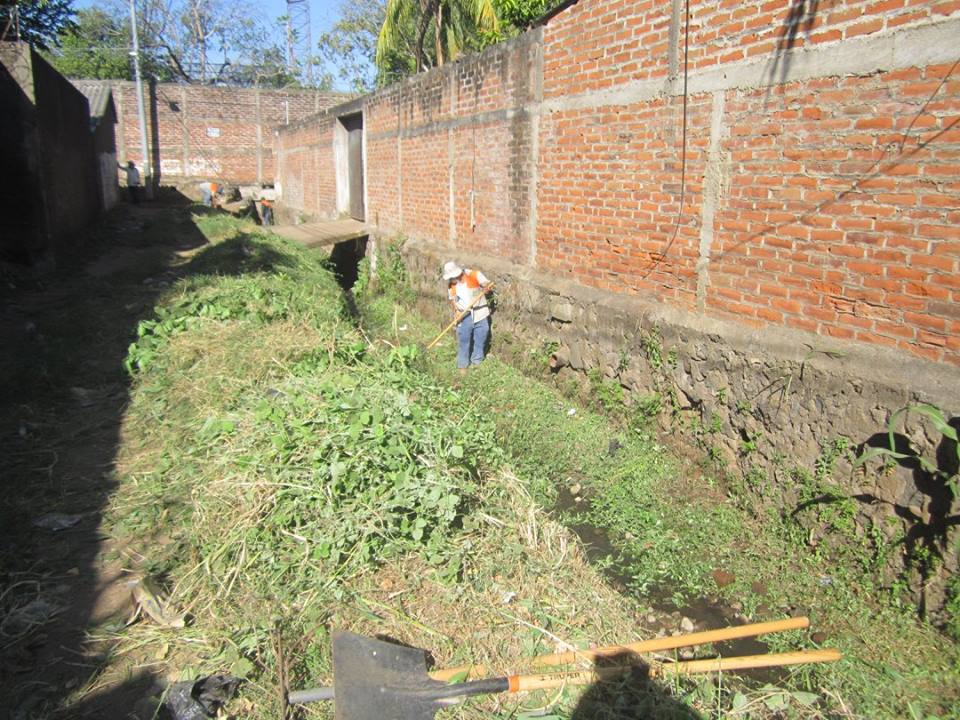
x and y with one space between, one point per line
735 632
482 294
374 680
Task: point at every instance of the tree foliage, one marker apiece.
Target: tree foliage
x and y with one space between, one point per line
351 44
96 47
516 16
38 22
437 30
194 41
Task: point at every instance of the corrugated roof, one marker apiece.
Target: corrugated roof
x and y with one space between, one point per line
99 96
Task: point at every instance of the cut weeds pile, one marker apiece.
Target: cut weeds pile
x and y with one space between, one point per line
282 474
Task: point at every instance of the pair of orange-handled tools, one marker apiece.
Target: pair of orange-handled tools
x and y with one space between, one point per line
374 679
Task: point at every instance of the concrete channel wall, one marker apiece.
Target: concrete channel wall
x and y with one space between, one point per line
754 214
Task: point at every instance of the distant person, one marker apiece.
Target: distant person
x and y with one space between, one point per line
133 180
266 211
212 193
467 288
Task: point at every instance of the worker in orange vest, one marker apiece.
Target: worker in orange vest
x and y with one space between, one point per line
266 211
473 330
210 192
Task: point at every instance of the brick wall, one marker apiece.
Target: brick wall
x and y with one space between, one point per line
819 192
205 132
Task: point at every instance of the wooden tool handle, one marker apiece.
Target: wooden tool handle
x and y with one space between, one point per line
643 646
676 641
521 683
461 316
746 662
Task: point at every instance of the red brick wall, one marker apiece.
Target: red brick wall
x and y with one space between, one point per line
305 158
381 121
609 196
596 45
732 30
205 132
843 214
820 189
461 133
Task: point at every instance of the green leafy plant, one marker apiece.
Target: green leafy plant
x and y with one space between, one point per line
608 393
646 409
890 453
652 348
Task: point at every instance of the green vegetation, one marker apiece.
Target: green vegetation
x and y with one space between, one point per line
284 472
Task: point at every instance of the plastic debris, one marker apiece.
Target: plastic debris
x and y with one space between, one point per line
57 521
571 412
84 396
200 698
149 599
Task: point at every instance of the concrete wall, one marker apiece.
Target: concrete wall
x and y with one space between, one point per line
48 194
105 148
798 256
202 132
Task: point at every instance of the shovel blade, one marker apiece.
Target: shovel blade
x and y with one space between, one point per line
377 680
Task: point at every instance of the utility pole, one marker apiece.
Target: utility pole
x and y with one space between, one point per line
147 174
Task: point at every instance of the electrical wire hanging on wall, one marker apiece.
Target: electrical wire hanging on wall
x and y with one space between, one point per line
660 257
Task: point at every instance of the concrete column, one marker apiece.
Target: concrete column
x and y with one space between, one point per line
259 138
673 47
185 129
118 98
713 188
535 113
451 190
400 158
451 161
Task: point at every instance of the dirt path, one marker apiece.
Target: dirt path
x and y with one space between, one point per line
64 338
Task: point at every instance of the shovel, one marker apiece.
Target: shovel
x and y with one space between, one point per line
377 680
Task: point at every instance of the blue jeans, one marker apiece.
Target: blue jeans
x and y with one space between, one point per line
477 332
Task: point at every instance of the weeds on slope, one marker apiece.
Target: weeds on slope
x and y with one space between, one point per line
281 476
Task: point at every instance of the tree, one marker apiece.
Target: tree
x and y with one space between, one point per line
96 47
207 41
451 26
351 44
266 68
376 42
519 15
38 22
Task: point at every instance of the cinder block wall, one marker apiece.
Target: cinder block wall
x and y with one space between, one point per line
50 178
215 133
788 277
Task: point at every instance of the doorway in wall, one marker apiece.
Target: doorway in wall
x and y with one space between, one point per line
353 125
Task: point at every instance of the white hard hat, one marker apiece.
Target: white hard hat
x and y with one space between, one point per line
451 270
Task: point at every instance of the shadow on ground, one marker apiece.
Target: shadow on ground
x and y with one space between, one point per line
63 340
